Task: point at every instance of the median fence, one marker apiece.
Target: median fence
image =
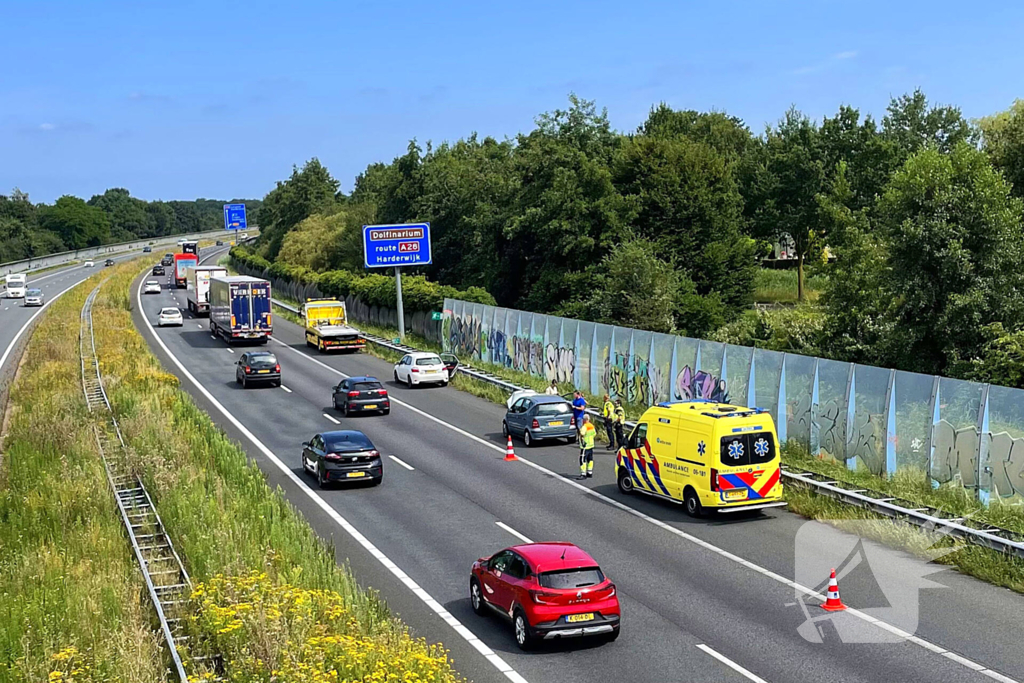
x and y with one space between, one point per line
418 322
868 417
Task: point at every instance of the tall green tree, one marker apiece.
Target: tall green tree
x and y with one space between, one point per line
911 124
78 224
309 190
689 204
728 135
1003 136
939 267
787 173
128 216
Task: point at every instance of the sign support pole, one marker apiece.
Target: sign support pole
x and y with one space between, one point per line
401 310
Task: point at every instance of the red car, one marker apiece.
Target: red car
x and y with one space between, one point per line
547 590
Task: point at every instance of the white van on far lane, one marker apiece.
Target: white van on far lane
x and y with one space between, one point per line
16 285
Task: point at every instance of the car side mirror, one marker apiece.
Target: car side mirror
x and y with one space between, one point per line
305 444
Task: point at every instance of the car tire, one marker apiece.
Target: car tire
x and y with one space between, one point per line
504 429
244 382
397 381
527 439
476 598
309 344
625 483
320 477
344 410
238 380
692 503
523 633
334 400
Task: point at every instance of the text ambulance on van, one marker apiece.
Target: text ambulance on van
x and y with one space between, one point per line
705 455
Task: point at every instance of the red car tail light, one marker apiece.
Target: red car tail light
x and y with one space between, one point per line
333 456
374 454
353 394
572 421
277 368
247 369
544 598
605 593
714 479
382 392
535 424
415 369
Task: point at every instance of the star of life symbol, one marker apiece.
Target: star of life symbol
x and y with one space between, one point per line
761 447
701 448
735 450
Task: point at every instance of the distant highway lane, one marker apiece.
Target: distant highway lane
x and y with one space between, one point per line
703 600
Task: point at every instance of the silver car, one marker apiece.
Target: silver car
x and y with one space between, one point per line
34 297
540 417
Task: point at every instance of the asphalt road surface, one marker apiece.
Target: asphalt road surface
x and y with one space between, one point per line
714 599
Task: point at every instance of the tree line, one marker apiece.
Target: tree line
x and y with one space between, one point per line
30 230
662 228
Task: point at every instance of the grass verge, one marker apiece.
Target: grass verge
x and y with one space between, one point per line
780 286
71 596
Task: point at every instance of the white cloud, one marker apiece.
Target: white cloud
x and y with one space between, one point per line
849 54
47 126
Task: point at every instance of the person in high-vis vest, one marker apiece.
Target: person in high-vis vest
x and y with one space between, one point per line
620 424
608 413
587 435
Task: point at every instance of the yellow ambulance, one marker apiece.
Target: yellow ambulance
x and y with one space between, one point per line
705 455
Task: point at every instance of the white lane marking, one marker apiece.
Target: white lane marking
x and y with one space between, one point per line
231 350
402 463
438 609
681 534
199 325
213 336
284 388
731 664
515 533
10 347
330 418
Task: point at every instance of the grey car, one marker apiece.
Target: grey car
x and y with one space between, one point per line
540 417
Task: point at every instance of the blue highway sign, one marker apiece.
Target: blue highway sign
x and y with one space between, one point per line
234 217
386 246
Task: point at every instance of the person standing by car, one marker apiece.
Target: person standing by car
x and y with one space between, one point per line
579 409
620 424
553 389
608 413
587 435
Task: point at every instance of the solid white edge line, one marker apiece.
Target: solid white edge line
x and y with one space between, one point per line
515 533
231 350
731 664
284 388
671 529
402 462
330 418
467 635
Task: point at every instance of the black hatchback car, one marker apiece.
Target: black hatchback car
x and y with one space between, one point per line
158 270
344 455
167 260
361 395
258 366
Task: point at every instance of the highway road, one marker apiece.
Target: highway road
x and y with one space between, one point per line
16 319
703 600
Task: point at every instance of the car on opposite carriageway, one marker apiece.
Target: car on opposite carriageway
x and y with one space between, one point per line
548 591
361 395
343 455
258 366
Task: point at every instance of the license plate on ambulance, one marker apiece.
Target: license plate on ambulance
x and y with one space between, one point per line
576 618
736 495
354 475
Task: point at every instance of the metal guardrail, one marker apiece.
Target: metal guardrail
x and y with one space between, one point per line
167 582
994 538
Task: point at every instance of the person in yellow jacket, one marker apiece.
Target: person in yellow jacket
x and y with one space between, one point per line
620 424
608 413
587 435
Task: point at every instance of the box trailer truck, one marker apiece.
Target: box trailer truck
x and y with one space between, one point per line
197 286
240 308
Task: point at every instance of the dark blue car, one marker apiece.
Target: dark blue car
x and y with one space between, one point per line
539 417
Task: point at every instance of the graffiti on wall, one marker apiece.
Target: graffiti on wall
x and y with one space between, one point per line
559 362
498 345
955 456
1006 457
464 336
700 384
633 379
864 439
832 434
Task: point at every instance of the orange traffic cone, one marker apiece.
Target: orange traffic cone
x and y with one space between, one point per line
832 602
510 454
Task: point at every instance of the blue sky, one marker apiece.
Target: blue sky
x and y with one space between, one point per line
219 99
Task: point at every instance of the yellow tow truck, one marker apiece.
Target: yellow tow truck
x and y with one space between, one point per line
327 326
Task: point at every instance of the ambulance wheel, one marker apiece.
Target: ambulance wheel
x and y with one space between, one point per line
309 344
692 503
625 482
